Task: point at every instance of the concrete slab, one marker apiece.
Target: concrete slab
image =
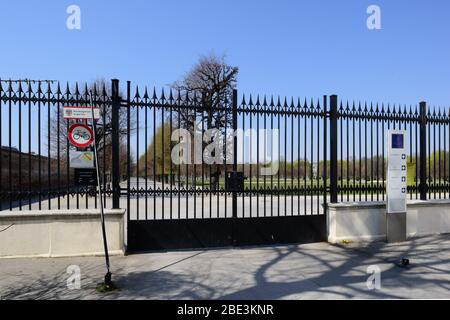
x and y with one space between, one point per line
309 271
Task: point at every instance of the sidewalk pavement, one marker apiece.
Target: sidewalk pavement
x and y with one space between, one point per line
308 271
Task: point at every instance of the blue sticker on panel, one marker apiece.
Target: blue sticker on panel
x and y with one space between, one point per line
397 141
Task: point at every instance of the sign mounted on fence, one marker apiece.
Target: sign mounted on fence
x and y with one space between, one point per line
81 159
396 171
85 177
80 135
81 113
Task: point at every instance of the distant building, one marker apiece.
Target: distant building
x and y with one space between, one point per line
31 168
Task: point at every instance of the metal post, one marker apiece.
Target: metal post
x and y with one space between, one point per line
325 149
234 150
99 192
115 142
423 150
333 149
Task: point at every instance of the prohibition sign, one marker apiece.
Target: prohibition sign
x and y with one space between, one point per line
80 135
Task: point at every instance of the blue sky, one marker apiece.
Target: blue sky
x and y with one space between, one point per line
304 49
295 48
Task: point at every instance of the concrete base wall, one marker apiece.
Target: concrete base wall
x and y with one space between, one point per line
366 221
58 233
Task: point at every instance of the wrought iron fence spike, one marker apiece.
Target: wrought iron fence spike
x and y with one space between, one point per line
49 88
243 100
39 88
347 106
67 89
272 104
58 88
285 105
77 91
136 95
257 104
145 93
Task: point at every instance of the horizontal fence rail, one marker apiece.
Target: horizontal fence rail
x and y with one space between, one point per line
323 150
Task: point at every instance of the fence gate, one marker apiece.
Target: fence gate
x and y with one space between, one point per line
256 173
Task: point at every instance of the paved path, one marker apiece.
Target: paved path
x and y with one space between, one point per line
310 271
188 206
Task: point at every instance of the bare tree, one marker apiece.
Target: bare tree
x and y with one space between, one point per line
211 80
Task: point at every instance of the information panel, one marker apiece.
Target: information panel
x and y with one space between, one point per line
81 159
396 171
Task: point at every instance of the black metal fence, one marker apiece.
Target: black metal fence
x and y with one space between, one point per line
34 166
324 150
288 133
358 165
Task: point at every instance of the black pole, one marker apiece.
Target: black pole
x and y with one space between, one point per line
325 149
99 188
234 191
115 143
234 150
333 149
423 151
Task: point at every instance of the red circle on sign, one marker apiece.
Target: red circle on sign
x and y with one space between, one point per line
80 135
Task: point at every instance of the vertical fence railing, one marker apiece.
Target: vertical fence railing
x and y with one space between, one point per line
333 149
115 136
423 151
